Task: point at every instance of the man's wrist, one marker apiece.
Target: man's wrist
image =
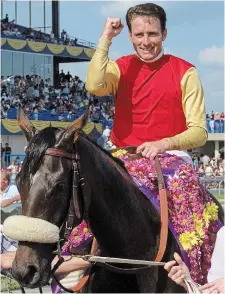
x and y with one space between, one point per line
166 144
104 43
107 37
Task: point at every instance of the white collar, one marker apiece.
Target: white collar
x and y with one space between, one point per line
156 58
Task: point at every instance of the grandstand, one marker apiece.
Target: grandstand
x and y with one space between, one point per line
30 58
28 51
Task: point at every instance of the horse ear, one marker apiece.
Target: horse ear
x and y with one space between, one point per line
25 125
70 133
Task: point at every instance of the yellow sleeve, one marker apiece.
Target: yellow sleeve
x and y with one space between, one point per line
103 75
193 103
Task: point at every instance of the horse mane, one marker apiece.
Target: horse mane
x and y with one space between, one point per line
108 156
46 138
43 140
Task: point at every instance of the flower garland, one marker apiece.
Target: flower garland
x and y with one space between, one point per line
78 239
191 210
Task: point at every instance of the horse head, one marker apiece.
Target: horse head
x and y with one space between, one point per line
45 184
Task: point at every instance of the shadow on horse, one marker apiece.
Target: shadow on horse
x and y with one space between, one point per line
124 223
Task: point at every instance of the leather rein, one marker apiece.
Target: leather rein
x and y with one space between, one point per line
78 182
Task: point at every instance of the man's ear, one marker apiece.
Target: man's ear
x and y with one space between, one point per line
164 35
130 36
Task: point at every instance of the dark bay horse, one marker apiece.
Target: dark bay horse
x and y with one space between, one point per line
124 222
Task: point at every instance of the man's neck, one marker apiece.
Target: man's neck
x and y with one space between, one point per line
161 53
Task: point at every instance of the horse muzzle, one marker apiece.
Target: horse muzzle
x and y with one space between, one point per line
37 239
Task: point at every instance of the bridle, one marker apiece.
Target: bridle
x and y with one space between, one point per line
74 209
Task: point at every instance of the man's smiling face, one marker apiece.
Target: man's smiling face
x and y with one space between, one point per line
147 37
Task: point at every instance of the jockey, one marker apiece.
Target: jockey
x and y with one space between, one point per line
159 97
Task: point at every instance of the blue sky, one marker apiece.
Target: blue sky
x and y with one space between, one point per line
195 33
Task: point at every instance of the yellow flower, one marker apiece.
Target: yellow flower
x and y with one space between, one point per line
210 213
133 168
85 230
140 172
188 240
199 229
206 217
77 237
119 153
180 197
213 211
184 221
175 185
195 217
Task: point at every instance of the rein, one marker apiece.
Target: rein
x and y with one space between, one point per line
74 209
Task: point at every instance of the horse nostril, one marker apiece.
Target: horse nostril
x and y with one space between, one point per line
31 276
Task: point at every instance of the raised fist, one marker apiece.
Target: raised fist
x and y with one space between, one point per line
113 27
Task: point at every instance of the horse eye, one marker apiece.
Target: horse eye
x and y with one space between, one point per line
60 186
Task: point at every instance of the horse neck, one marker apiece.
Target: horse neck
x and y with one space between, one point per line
118 214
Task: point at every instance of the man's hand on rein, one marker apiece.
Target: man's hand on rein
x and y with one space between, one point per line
151 149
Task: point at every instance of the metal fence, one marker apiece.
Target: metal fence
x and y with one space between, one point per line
8 159
215 126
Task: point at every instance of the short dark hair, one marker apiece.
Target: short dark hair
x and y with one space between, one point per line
147 9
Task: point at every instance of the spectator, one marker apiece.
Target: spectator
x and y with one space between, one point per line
106 132
68 77
6 18
2 153
201 170
8 151
9 192
204 159
52 36
195 162
208 170
212 124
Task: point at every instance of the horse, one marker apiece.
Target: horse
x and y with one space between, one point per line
124 223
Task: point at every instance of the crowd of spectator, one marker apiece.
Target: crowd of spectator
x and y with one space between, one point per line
209 167
41 101
215 122
11 29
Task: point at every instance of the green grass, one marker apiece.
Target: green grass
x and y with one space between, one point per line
8 284
219 196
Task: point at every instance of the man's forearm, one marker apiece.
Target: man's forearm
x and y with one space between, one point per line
9 201
191 138
73 264
103 74
6 202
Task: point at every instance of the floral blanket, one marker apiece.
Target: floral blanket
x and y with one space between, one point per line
193 216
